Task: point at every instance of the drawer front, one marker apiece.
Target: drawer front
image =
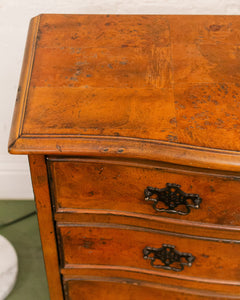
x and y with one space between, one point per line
125 289
146 250
134 187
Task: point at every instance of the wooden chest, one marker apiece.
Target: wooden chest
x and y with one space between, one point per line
132 128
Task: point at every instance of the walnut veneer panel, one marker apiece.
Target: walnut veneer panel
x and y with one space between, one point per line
118 187
162 78
122 247
107 289
132 276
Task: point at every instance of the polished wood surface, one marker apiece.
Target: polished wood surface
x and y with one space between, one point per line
110 104
106 288
172 281
122 246
226 233
46 225
122 80
125 182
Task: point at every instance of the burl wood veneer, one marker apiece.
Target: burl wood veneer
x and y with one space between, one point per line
132 128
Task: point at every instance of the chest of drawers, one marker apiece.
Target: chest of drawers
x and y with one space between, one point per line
132 126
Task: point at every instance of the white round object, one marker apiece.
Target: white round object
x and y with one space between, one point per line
8 267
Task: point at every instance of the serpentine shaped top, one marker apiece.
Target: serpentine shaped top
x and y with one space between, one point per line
136 86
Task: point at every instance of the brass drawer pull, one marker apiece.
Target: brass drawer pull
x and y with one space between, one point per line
172 196
171 259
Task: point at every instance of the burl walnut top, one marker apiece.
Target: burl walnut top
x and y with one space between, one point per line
131 85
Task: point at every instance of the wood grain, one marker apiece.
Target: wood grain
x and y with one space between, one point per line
46 225
159 79
225 232
158 277
24 81
129 148
118 245
196 120
78 114
89 31
125 289
113 186
111 67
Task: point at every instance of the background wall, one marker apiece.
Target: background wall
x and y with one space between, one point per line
15 180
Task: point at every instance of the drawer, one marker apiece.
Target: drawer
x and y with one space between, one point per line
148 251
116 186
165 284
124 289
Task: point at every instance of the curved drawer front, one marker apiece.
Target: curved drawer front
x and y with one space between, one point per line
124 289
149 189
151 251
